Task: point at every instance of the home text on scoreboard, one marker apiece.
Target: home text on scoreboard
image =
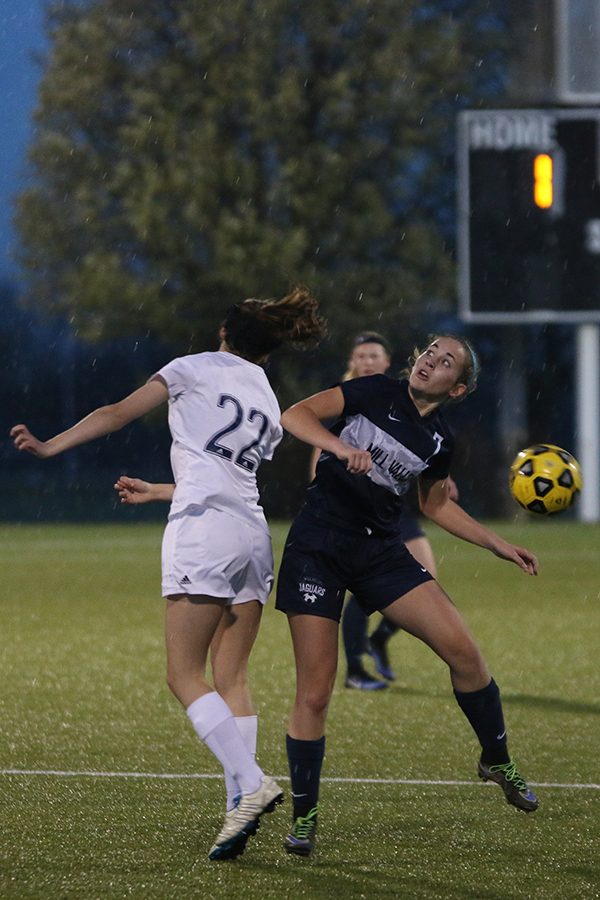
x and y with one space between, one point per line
529 215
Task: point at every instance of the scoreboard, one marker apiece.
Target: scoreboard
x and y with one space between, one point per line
528 194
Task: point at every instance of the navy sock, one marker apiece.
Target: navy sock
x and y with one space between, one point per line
354 633
384 631
483 709
305 759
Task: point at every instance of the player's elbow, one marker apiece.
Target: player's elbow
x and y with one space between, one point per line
426 510
425 504
430 508
116 416
289 417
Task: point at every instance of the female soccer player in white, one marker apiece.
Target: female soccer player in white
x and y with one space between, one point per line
388 433
217 563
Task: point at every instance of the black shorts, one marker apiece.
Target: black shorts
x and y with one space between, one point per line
409 526
321 562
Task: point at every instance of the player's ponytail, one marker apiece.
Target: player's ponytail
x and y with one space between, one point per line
254 328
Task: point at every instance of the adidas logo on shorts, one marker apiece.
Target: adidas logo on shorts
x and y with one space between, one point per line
185 580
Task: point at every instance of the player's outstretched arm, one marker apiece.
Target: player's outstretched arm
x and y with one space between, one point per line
103 420
134 491
436 504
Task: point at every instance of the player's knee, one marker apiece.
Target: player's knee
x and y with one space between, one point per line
466 660
178 681
317 703
316 698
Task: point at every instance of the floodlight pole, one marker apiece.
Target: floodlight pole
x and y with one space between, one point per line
587 424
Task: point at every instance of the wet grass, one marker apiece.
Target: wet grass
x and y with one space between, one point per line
83 691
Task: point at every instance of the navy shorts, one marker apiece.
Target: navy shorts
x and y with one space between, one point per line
409 526
321 562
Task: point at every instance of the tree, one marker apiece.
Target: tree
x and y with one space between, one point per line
189 154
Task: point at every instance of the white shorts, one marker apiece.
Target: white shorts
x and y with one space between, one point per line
216 555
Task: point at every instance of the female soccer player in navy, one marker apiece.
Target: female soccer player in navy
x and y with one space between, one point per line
371 355
217 563
345 538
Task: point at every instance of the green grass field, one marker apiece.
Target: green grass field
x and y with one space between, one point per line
83 692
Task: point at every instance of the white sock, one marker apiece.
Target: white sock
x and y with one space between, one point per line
248 728
214 724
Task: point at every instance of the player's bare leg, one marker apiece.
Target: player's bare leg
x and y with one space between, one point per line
429 614
190 625
229 653
377 644
315 641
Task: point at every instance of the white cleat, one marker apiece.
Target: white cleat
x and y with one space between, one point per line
243 820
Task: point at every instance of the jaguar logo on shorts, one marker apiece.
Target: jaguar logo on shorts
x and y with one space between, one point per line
311 591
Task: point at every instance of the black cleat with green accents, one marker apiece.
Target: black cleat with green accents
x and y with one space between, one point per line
514 786
301 839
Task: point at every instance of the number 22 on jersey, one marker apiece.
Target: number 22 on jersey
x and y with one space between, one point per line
239 456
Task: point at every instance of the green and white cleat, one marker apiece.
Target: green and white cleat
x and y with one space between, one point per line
514 786
301 839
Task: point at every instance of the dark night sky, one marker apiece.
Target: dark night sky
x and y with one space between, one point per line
21 35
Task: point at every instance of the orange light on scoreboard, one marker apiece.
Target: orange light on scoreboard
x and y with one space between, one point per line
543 192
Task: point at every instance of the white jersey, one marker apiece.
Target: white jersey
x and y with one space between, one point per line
224 419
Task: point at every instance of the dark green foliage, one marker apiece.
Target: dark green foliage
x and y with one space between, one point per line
189 154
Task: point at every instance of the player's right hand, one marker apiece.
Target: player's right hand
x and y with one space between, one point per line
133 490
25 440
358 462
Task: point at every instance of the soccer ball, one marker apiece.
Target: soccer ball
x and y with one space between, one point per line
545 479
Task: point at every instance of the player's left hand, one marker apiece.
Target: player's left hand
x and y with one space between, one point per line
524 559
133 490
25 440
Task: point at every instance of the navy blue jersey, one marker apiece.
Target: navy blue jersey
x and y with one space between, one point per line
379 416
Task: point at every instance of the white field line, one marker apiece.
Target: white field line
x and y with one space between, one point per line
206 776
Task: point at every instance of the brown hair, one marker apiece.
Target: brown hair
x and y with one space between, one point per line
471 367
254 328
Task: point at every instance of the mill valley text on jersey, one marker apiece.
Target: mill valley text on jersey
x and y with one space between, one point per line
379 416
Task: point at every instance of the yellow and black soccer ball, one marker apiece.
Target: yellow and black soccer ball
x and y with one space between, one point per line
545 479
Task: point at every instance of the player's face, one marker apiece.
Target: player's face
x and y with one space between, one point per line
369 359
438 371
